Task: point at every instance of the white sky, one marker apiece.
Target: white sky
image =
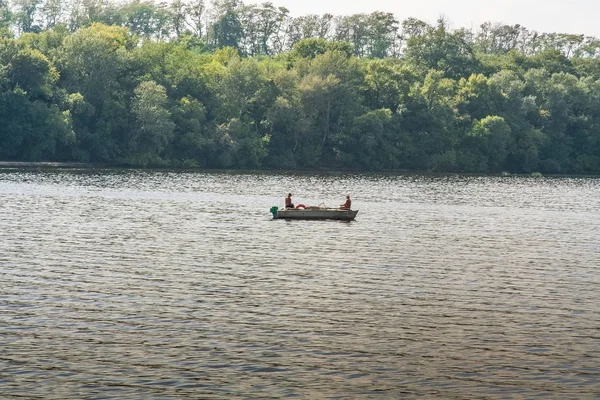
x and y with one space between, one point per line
562 16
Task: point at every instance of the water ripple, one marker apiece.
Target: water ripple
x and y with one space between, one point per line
146 284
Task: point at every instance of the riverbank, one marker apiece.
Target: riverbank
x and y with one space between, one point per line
24 164
299 171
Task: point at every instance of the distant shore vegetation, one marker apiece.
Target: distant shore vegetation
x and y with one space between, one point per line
235 85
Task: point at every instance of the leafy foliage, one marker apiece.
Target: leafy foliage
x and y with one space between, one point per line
249 86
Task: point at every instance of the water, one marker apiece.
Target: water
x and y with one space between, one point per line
165 285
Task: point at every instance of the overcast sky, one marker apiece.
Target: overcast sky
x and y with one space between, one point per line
563 16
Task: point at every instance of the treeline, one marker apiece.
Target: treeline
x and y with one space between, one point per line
264 29
247 86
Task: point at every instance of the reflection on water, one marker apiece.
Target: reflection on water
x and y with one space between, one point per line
129 284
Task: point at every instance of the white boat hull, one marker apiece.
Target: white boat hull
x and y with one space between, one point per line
317 213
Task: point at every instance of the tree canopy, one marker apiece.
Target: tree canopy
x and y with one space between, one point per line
238 85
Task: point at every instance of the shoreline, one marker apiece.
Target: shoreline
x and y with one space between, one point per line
50 164
76 165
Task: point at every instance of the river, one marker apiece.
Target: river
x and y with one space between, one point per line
128 284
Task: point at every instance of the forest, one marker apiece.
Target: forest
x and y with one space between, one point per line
236 85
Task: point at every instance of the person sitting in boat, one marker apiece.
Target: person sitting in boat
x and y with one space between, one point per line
288 201
347 204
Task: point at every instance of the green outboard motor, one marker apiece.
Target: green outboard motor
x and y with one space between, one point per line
274 211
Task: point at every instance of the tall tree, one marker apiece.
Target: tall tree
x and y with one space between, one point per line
6 16
443 50
227 31
27 15
383 35
93 62
154 127
195 11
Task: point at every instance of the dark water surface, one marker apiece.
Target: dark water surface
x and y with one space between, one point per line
163 285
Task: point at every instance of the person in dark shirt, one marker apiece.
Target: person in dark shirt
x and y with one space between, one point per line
288 201
347 204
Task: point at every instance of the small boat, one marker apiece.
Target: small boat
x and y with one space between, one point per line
314 213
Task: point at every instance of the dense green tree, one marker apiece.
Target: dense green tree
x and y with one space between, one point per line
93 62
383 35
153 130
247 85
192 142
33 128
31 71
428 115
487 145
227 31
310 48
387 83
369 143
147 19
330 97
552 61
6 16
443 50
477 98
